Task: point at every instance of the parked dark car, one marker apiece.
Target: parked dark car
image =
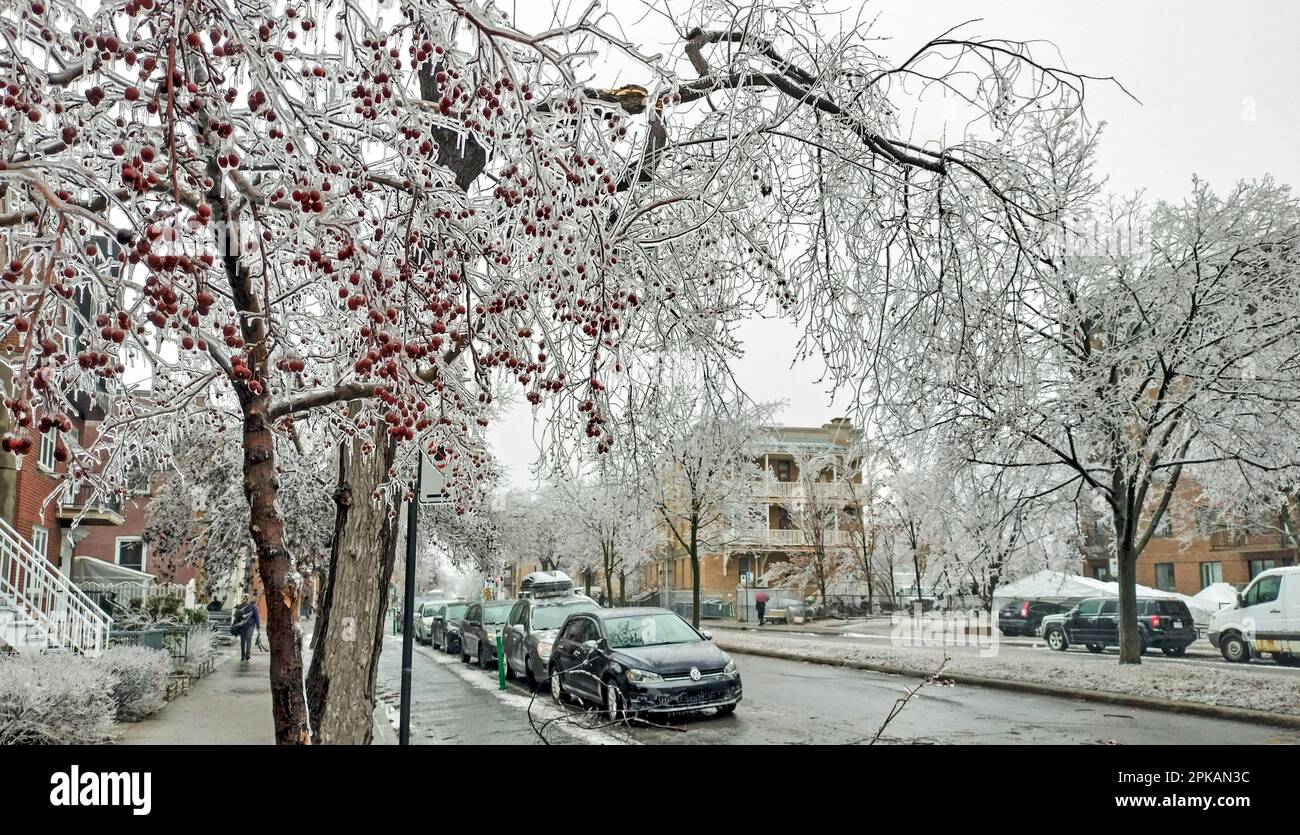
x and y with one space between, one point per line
1024 617
1163 623
444 631
635 661
479 628
531 629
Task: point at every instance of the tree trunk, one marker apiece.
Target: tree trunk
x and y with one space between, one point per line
1130 648
350 624
267 529
695 572
622 588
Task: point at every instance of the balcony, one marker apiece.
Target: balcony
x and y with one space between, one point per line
778 538
1229 539
797 490
92 511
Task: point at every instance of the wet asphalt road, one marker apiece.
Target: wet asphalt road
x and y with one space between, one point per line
790 702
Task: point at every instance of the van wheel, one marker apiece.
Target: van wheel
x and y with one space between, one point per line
1056 639
1234 648
1174 652
1096 648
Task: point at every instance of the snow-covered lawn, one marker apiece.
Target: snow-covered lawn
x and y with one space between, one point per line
1228 686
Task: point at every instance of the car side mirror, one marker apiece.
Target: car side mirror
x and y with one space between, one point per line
708 636
590 645
1241 600
519 627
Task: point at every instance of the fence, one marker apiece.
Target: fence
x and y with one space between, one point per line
128 594
712 607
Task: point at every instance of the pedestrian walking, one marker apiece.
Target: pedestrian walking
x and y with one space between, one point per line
247 622
760 606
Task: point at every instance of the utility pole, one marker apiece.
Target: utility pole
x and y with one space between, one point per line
408 605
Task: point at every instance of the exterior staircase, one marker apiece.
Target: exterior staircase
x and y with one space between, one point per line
40 609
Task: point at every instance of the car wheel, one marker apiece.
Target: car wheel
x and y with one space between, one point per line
557 687
482 656
1174 652
613 701
1234 648
464 656
1096 648
1056 639
528 673
726 710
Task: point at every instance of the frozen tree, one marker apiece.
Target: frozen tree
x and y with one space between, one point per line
379 215
870 559
817 510
1143 343
611 518
198 514
696 444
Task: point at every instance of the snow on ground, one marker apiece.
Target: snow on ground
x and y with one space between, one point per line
1173 682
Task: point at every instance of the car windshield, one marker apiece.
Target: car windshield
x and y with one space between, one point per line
649 630
1168 607
498 613
457 611
551 616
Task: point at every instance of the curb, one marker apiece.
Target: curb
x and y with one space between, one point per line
1234 714
383 733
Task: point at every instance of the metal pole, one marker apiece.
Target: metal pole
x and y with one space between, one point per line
501 664
408 616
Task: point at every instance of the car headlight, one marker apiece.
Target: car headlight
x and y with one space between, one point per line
452 630
544 648
730 669
641 676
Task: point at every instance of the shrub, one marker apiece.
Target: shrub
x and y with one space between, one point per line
54 699
139 679
201 648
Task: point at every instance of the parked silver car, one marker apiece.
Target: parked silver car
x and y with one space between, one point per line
531 628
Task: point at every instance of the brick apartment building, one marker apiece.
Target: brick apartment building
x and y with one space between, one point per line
1196 545
108 529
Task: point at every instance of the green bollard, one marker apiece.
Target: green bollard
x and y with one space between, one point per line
501 665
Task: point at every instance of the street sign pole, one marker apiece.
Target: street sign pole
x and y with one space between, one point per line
408 616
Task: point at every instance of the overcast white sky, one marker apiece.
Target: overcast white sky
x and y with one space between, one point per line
1217 82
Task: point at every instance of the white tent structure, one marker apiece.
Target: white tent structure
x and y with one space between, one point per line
1051 585
1211 599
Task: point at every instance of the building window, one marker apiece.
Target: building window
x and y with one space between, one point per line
782 469
1165 527
46 457
130 552
1211 573
1165 576
1257 566
783 522
41 541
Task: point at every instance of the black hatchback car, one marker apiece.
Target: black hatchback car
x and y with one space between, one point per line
1163 623
635 661
1024 617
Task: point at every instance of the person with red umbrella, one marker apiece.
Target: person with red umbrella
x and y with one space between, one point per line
760 605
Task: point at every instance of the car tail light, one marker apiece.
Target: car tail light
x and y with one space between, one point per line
1155 621
1024 610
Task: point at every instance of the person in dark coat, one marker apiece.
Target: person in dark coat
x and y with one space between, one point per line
760 607
247 622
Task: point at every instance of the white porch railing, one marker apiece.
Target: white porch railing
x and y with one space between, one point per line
65 616
776 538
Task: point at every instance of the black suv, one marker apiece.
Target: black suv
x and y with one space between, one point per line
1023 617
1162 623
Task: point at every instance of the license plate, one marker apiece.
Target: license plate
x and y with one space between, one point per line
1178 624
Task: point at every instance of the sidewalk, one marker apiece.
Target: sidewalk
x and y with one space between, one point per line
826 626
230 706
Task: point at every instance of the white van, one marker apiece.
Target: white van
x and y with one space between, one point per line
1265 619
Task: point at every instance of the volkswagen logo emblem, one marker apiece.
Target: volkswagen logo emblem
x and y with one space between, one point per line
695 673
